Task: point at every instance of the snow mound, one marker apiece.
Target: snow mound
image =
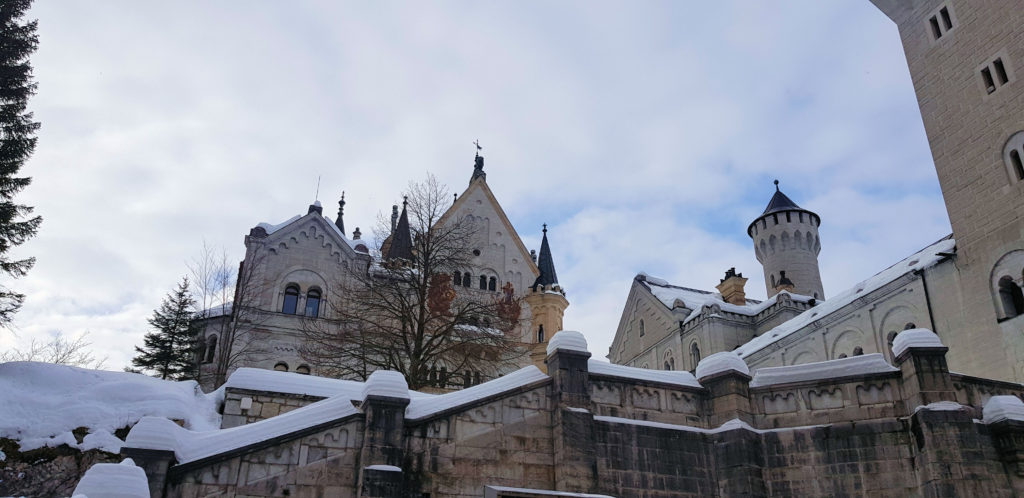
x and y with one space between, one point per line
679 378
386 383
261 379
567 339
925 258
113 480
999 408
41 403
424 407
721 362
832 369
915 338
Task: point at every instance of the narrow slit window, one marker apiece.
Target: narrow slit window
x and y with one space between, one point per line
947 21
1000 71
1018 166
986 77
936 32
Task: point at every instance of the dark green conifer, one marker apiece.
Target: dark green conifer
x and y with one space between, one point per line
170 349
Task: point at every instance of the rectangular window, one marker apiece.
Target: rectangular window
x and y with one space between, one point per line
986 77
946 20
1000 71
936 31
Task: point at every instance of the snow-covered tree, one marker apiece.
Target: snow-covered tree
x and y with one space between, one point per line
170 349
18 40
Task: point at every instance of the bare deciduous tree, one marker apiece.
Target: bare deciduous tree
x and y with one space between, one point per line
230 313
59 349
405 314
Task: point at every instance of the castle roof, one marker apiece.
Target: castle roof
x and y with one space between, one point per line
780 203
401 240
546 264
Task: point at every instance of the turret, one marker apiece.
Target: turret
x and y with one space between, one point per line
547 305
786 243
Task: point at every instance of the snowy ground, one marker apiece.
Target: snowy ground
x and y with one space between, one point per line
41 403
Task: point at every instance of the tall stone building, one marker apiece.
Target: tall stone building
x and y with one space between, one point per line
293 271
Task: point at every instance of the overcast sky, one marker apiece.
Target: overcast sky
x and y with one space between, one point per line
646 134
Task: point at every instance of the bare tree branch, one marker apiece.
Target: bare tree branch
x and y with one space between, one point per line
60 350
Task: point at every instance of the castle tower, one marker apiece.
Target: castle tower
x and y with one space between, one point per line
547 305
787 245
966 59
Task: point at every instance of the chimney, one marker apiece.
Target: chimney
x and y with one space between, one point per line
784 283
731 288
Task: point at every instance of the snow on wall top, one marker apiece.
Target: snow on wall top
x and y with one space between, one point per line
162 434
41 403
925 258
271 228
567 339
679 378
999 408
260 379
915 338
386 383
844 367
696 300
113 480
721 362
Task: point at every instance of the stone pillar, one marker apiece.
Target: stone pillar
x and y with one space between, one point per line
155 463
1004 416
921 357
727 378
385 398
572 433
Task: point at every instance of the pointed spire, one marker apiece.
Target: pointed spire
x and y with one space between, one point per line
401 237
340 222
478 164
545 264
779 202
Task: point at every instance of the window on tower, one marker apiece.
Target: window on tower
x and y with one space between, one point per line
313 303
291 299
995 73
1013 155
941 22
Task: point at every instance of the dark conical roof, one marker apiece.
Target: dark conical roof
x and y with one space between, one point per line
340 221
545 264
401 238
780 202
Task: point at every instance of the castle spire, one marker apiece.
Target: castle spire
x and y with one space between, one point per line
478 164
401 237
340 222
545 264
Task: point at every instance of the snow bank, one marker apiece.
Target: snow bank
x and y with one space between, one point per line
925 258
162 434
679 378
41 403
424 407
999 408
915 338
386 383
567 339
113 480
721 362
832 369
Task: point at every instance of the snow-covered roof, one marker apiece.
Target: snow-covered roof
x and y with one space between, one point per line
113 480
844 367
215 311
999 408
679 378
41 403
271 228
188 446
925 258
915 338
719 363
695 299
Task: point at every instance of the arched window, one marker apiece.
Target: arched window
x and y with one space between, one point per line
442 378
201 351
842 355
672 363
483 282
891 337
291 299
211 348
857 351
910 325
492 284
1012 154
540 333
467 280
457 279
642 330
1011 297
694 355
313 303
281 366
302 369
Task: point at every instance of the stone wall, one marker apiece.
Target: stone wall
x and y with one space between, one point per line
263 405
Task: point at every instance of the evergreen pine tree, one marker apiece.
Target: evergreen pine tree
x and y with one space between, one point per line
170 349
17 141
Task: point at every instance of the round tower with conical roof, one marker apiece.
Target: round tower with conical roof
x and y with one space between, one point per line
786 243
547 302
